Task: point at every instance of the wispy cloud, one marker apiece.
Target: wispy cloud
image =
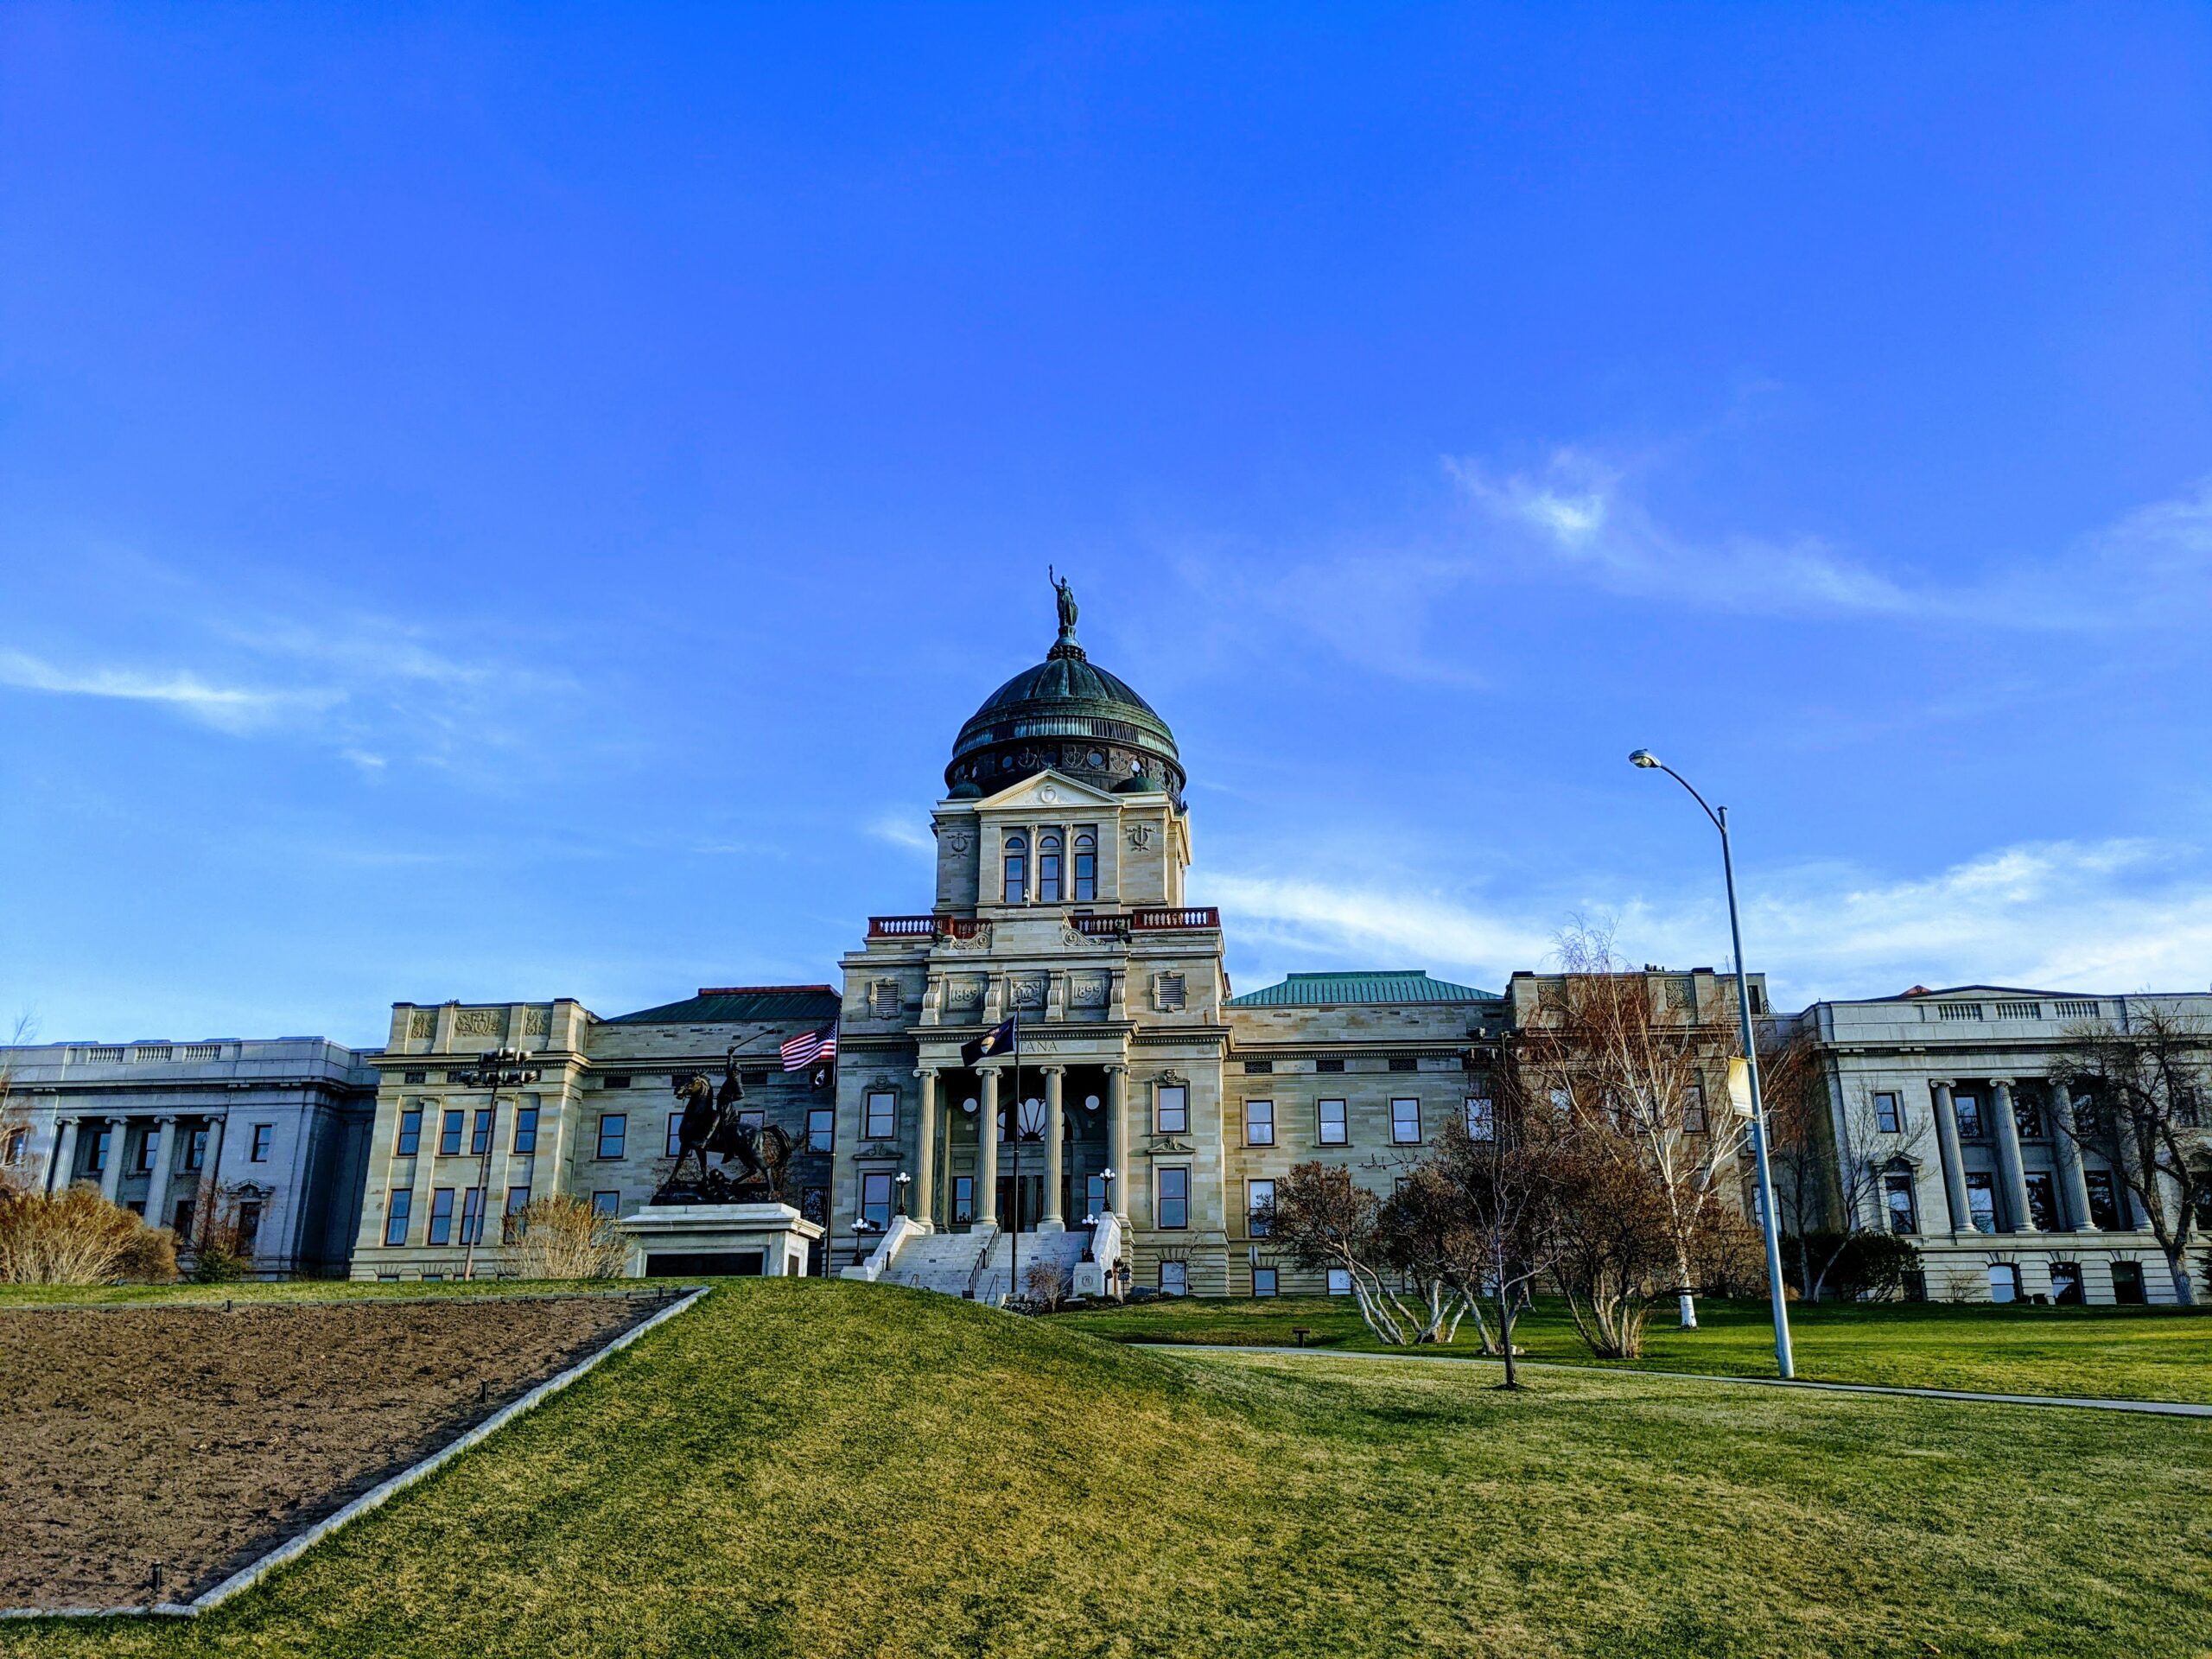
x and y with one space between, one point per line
2110 916
904 829
226 708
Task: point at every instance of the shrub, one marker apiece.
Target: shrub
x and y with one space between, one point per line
1861 1263
564 1237
77 1237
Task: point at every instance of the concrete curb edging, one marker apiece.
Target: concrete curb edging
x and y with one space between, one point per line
246 1577
2075 1402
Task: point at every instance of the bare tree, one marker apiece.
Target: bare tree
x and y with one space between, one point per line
1504 1174
563 1237
1422 1230
1623 1052
1323 1220
1617 1250
1828 1155
2148 1093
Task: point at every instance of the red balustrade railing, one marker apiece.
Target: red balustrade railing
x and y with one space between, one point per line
1161 916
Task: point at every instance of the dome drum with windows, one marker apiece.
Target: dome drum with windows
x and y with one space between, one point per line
1065 715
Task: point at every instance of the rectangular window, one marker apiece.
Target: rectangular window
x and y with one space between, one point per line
1259 1207
147 1144
2127 1283
450 1136
1174 1101
1405 1122
1897 1195
675 1133
614 1082
607 1202
518 1200
1404 1063
752 1121
418 1076
17 1141
249 1226
2027 1117
195 1148
1332 1063
1259 1123
1336 1131
1175 1278
2066 1283
613 1130
1086 866
882 1116
1693 1110
2042 1200
98 1163
526 1130
472 1216
1173 1211
2104 1199
396 1209
1259 1068
963 1198
814 1206
820 1128
480 1132
1263 1282
1094 1198
1481 1119
181 1225
410 1132
264 1135
442 1215
1981 1202
875 1198
1968 1110
1339 1281
1886 1113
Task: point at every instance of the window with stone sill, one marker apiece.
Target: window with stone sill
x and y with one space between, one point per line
882 1116
1086 867
449 1135
1171 1213
1981 1201
1259 1123
396 1209
613 1130
1967 1111
1886 1113
1405 1122
1335 1131
1173 1106
526 1131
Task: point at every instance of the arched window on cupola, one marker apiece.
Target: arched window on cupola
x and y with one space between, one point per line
1017 869
1048 868
1086 867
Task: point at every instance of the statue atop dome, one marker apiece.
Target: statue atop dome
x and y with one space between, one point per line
1065 597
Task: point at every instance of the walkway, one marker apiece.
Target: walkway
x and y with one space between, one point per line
2147 1407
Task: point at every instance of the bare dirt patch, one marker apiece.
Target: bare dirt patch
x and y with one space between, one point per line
201 1437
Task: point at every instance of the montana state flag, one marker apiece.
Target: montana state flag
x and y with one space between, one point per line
997 1040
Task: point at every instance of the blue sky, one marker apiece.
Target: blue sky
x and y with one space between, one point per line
509 503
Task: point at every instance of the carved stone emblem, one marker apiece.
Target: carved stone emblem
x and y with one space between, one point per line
963 994
1048 795
423 1023
537 1022
1089 990
1029 990
958 841
1139 836
480 1022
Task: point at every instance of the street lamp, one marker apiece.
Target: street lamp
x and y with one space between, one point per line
905 1181
1784 1362
498 1068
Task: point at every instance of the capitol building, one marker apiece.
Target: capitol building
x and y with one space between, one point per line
1135 1137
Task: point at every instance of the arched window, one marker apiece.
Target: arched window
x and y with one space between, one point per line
1048 868
1086 867
1017 869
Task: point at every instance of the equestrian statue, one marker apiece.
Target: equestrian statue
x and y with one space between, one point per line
714 1123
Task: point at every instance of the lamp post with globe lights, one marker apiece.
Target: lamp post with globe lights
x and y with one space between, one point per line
500 1068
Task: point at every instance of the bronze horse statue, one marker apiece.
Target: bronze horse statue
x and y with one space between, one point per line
712 1122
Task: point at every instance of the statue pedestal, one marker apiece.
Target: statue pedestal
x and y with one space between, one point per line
745 1240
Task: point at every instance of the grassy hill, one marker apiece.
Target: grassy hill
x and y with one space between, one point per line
831 1469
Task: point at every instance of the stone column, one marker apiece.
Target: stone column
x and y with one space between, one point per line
1117 1137
986 1151
1054 1219
157 1194
65 1155
212 1172
2008 1159
1955 1169
2071 1179
921 1205
111 1177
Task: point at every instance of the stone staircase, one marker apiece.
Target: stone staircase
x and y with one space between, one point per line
995 1283
954 1264
945 1263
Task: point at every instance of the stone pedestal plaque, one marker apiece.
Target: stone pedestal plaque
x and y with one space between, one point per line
748 1240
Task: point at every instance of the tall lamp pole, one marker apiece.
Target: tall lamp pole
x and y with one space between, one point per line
1784 1361
500 1068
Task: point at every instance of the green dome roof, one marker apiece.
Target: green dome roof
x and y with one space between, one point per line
1067 715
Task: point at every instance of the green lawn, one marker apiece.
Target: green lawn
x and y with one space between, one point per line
2132 1353
832 1469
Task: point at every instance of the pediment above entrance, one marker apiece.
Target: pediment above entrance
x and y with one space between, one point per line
1051 792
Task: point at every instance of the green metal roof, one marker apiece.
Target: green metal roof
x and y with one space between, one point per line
808 1004
1391 985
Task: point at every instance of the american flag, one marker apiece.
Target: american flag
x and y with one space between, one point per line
806 1048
